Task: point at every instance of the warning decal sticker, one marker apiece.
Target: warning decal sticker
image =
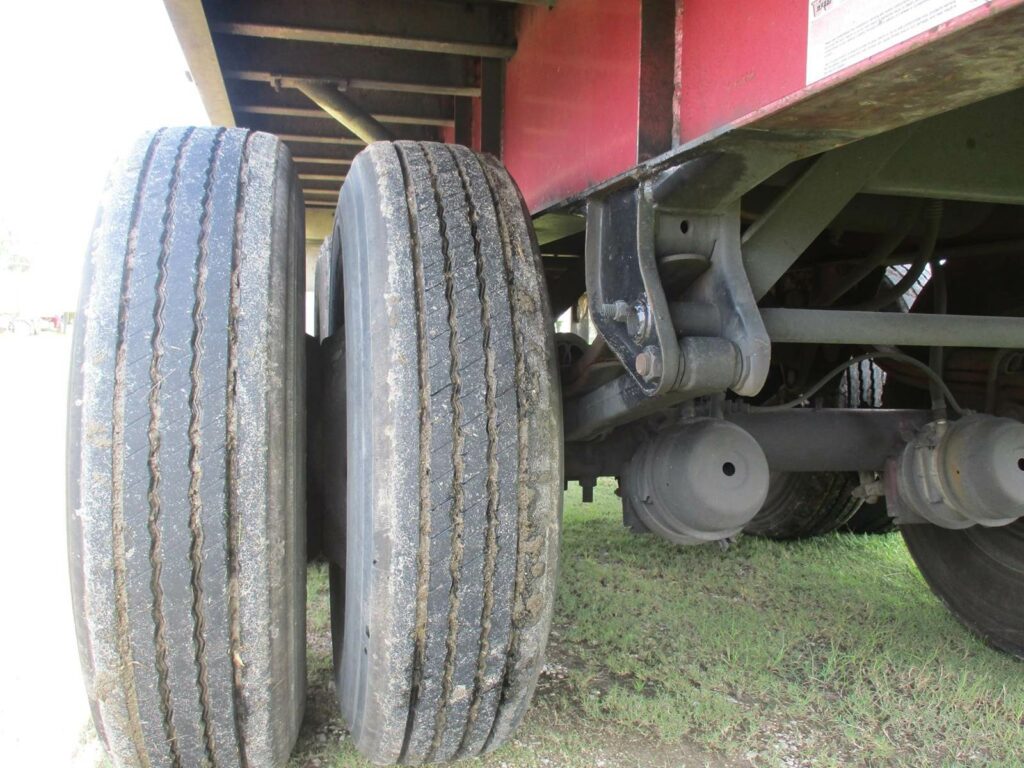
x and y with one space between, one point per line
844 32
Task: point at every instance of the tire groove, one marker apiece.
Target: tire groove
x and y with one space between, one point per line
458 500
522 468
195 450
155 547
491 539
231 459
120 565
423 556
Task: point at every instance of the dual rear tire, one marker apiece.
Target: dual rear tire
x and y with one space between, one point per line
186 458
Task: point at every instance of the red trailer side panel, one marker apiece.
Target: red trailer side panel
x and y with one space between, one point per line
571 97
840 69
737 57
742 61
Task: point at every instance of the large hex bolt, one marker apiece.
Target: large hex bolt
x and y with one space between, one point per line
648 364
962 473
698 483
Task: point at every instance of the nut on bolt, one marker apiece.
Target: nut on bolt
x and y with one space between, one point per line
648 364
636 317
638 322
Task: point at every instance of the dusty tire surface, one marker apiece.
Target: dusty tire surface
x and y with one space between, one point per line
454 450
186 454
326 412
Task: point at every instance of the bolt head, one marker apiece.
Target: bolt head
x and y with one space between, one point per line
648 364
643 364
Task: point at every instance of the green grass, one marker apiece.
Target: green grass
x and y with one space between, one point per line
826 652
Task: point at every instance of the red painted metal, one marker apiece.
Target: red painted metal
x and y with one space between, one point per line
729 77
571 97
572 87
737 57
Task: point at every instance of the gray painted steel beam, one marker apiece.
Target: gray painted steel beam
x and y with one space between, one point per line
775 241
967 154
321 177
193 32
827 326
324 114
805 439
339 106
314 134
340 37
305 138
299 159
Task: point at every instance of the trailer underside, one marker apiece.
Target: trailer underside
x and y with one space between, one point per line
729 200
785 241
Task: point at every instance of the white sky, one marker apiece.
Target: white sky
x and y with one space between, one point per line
82 80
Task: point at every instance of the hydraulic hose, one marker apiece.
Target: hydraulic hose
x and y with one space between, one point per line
876 258
889 294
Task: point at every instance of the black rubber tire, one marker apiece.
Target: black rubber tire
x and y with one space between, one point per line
804 504
455 454
186 454
326 420
978 573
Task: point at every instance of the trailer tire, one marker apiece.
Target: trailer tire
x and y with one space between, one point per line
978 573
454 450
805 504
186 454
326 293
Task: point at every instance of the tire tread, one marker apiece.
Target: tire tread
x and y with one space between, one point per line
469 562
178 696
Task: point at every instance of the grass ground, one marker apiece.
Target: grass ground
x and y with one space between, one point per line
827 652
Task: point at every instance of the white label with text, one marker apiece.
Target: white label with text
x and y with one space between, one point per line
844 32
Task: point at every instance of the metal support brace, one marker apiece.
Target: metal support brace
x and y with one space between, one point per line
835 326
824 326
784 231
641 245
344 110
723 285
635 251
627 299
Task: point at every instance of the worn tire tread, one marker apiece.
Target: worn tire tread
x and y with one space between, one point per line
176 632
480 332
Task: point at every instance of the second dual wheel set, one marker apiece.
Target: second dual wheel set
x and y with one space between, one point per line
187 466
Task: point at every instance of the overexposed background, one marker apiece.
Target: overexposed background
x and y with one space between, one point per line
81 81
